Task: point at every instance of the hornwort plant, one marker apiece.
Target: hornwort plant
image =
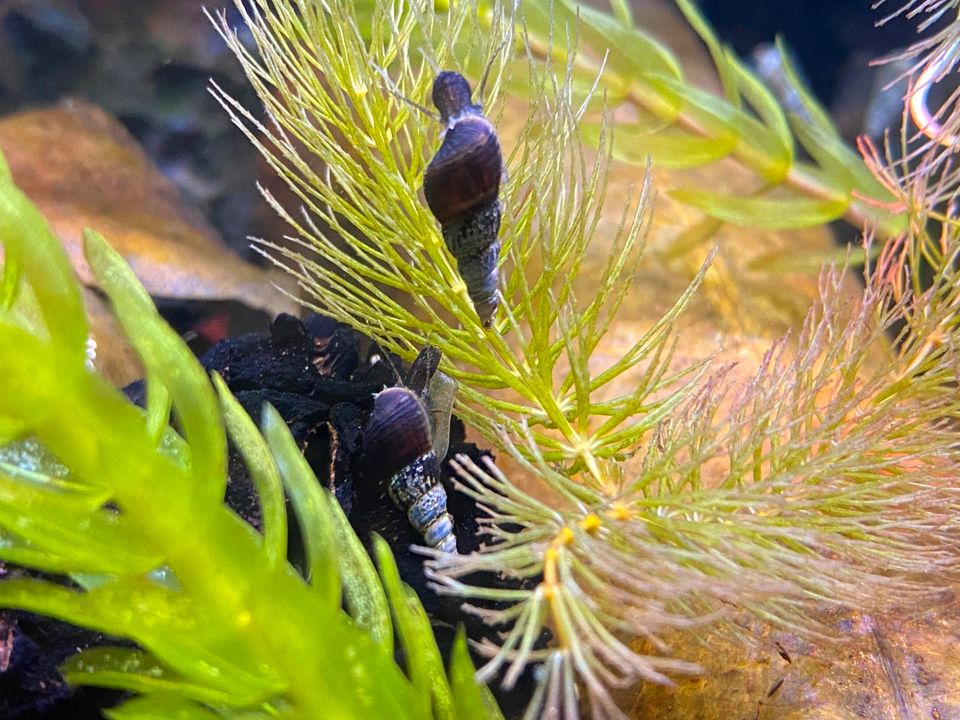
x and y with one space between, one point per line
827 478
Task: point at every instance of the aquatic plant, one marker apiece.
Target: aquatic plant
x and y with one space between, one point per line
826 478
127 520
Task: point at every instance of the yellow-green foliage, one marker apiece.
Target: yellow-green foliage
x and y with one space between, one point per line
131 515
836 464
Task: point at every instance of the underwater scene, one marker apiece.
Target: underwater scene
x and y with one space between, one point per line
467 360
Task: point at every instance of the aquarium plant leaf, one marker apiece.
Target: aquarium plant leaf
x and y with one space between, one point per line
167 360
663 149
309 503
762 212
263 471
125 517
133 670
423 662
363 592
749 115
470 700
160 707
59 300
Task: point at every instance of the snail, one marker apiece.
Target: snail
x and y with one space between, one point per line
462 188
398 438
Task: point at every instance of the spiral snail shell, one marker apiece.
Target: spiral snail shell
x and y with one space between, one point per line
462 187
398 436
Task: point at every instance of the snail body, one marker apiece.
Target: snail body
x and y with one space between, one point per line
398 438
462 188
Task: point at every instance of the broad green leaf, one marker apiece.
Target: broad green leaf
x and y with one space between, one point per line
763 102
168 359
38 255
668 148
263 472
310 505
28 460
176 630
160 708
362 590
421 668
630 51
795 260
757 147
692 237
46 519
20 552
621 11
134 670
768 213
721 58
818 116
193 637
471 700
841 163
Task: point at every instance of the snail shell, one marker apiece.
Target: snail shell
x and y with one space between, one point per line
398 436
462 187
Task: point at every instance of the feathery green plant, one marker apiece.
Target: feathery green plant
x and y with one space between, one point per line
131 518
829 479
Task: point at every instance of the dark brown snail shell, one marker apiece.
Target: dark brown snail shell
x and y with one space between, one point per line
398 438
462 188
398 430
466 171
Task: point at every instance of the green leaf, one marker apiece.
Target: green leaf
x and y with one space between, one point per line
9 285
668 148
621 11
28 460
805 261
843 166
363 592
134 670
717 52
471 700
817 115
159 708
310 505
762 212
263 472
763 102
630 51
32 247
159 403
423 663
169 624
169 360
758 147
59 523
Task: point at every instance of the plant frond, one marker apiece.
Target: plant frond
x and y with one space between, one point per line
369 253
681 125
828 481
130 520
